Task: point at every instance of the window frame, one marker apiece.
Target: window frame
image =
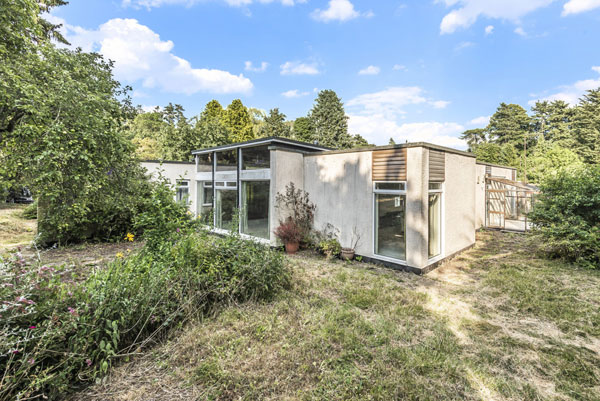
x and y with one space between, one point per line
440 191
179 185
401 192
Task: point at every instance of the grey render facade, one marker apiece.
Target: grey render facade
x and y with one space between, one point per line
411 205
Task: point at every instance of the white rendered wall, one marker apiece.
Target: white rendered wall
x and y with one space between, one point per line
174 171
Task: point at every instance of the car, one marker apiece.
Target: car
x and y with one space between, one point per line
22 195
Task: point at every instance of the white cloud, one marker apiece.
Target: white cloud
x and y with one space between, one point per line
140 56
339 10
370 70
466 12
400 67
579 6
248 66
480 121
520 31
294 93
376 116
463 45
379 129
572 93
188 3
489 29
392 101
299 68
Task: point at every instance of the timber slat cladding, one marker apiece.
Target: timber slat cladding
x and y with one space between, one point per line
437 165
389 165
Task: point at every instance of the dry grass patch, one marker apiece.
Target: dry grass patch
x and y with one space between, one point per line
15 231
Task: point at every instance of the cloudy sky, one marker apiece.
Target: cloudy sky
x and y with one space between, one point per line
416 70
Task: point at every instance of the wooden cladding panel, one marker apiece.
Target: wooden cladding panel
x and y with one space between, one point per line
389 165
437 166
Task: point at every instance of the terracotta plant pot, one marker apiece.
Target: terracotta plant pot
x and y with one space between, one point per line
347 254
291 247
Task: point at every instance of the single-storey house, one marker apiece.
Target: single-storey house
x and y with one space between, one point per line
412 205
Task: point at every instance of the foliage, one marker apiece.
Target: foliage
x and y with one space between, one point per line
495 153
548 159
238 122
474 137
274 125
288 232
566 216
510 124
303 130
30 212
210 126
326 240
329 122
60 330
296 204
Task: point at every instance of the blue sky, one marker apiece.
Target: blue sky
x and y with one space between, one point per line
411 70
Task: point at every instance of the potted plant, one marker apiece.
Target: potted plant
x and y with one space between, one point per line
348 253
289 233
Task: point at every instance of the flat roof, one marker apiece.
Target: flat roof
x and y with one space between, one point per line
398 146
265 141
166 162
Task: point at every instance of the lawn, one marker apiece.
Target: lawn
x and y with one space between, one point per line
496 323
15 231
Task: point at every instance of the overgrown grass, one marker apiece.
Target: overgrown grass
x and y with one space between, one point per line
15 230
482 327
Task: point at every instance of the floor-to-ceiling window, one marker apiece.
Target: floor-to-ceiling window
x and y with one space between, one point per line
390 219
435 219
204 200
226 201
255 208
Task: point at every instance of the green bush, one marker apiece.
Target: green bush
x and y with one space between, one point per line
566 216
59 331
30 212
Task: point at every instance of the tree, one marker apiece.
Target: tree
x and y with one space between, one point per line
510 124
549 159
238 122
586 127
495 153
143 131
274 125
329 121
210 127
474 137
176 138
391 142
303 130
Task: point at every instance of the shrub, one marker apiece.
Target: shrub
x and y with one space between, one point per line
59 331
566 216
288 232
30 212
296 203
326 241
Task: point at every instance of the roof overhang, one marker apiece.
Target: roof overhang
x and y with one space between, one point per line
264 141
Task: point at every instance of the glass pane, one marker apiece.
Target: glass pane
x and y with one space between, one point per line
204 201
390 238
256 158
255 208
205 163
227 160
435 185
435 225
225 206
208 196
390 186
182 195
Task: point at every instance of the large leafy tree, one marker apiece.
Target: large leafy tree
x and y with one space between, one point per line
474 137
303 130
329 121
238 122
60 130
177 136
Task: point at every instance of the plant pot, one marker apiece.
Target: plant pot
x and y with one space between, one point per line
347 253
291 247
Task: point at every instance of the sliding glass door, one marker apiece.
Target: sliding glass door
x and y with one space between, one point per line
390 220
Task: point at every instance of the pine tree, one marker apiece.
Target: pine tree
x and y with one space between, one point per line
330 122
210 126
303 130
510 124
474 137
586 127
274 125
238 122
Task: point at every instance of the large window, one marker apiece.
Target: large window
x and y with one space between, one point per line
204 201
256 158
435 219
255 208
227 160
205 163
225 204
183 191
390 220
